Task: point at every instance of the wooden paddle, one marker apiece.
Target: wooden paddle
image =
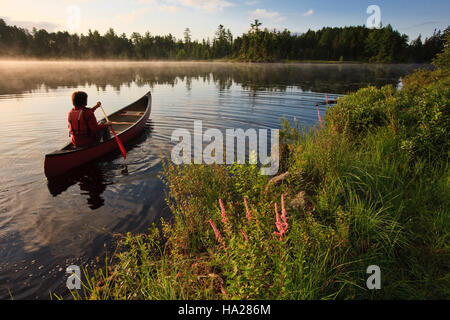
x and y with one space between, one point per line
119 143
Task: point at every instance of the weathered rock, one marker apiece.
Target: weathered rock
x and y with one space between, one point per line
299 200
277 180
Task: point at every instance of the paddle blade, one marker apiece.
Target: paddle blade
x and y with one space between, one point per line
120 144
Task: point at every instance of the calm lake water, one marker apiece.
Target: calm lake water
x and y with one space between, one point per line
46 226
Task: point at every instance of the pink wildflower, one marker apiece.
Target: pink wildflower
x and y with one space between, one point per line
281 222
284 216
247 210
218 237
320 117
222 211
245 235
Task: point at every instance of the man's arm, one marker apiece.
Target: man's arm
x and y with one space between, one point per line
97 105
92 122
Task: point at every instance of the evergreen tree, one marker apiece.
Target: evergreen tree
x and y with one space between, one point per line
356 43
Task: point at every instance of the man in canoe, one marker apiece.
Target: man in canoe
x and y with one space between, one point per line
83 125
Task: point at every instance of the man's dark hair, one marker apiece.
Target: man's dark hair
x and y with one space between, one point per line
79 99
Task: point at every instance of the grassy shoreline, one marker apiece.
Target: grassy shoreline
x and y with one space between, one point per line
369 187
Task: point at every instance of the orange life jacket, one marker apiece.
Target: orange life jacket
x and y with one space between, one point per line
78 124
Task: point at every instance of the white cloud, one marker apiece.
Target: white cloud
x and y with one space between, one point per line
251 2
264 14
167 8
49 26
80 1
133 15
308 13
175 5
206 5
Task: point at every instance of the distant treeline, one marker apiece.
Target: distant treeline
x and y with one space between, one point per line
259 45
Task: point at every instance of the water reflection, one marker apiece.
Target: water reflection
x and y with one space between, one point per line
21 77
92 178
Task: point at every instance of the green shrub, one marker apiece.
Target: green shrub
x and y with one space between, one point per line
428 121
360 112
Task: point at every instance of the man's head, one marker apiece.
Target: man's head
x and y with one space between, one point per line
79 99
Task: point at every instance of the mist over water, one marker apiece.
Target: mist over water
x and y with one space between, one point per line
46 226
24 76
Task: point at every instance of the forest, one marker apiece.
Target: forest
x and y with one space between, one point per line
354 43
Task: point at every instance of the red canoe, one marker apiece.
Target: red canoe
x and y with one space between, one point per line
128 123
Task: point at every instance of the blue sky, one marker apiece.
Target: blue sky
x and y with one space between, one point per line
203 16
